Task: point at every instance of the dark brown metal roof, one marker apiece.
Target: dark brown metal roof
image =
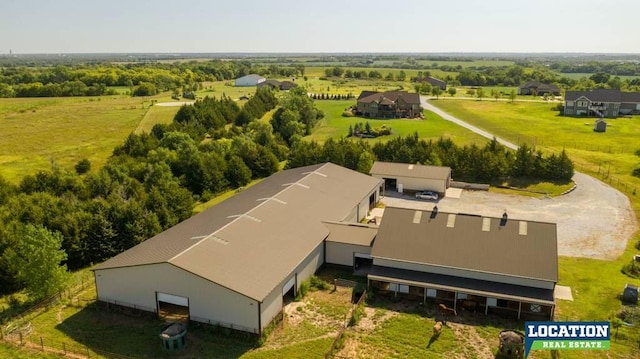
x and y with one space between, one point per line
541 86
250 242
469 242
351 233
371 96
409 170
464 285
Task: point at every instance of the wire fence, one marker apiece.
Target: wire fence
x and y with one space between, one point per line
338 341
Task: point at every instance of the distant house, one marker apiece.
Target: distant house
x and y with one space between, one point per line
501 265
249 80
609 103
390 104
434 82
537 88
281 85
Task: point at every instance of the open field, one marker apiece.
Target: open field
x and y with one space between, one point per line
156 115
37 132
432 127
579 75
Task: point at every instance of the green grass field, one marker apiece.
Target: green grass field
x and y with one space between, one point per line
156 115
37 132
579 75
432 127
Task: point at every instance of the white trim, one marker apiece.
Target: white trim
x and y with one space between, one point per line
172 299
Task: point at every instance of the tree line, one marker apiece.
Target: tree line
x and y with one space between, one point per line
152 180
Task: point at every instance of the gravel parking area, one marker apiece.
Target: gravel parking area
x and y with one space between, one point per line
594 221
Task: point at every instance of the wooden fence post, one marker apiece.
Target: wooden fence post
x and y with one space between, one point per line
64 348
20 337
41 344
88 355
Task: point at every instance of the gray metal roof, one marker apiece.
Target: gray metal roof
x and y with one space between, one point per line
389 96
409 170
250 242
351 233
597 95
516 248
251 76
632 97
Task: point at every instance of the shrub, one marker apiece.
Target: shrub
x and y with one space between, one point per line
358 313
318 284
636 172
302 291
83 166
632 269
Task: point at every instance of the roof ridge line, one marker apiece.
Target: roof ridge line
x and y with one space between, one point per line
235 219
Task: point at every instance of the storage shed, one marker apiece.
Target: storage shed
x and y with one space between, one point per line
249 80
405 176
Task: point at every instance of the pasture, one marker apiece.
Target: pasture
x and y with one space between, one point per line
37 132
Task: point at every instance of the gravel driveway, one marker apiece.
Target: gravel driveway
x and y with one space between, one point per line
594 221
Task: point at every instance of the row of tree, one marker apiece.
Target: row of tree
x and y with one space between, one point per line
491 163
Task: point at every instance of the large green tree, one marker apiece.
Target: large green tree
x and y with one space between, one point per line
36 258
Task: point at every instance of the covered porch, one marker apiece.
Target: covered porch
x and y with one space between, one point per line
520 302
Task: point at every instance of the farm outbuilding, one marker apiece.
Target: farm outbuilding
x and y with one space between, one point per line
404 176
349 244
249 80
493 265
233 264
600 125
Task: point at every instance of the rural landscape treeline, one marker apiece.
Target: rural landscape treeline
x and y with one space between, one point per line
152 181
34 79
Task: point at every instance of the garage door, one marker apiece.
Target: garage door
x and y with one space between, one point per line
289 285
173 299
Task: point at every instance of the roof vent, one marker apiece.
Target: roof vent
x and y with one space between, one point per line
410 167
451 220
417 216
434 212
503 221
522 230
486 224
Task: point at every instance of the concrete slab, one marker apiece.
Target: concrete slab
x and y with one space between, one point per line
453 192
563 293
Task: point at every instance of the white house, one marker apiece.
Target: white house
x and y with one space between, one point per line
249 80
232 264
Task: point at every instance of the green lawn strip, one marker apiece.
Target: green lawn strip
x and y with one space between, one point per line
221 197
533 188
309 349
18 352
156 115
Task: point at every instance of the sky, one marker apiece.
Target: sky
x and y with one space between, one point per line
319 26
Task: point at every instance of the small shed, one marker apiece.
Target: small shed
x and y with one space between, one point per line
630 294
600 126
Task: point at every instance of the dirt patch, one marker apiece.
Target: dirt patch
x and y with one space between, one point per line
469 335
373 319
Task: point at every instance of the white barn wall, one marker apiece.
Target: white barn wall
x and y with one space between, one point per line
342 253
271 306
465 273
207 300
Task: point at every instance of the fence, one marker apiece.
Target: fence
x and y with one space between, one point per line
62 348
336 342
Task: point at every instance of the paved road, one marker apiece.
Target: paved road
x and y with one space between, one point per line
427 106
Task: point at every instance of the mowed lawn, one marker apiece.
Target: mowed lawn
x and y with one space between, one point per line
334 125
39 131
156 115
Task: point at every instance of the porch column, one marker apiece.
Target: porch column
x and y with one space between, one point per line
553 307
486 307
519 309
424 299
455 301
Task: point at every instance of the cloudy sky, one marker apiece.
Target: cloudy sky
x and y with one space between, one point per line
86 26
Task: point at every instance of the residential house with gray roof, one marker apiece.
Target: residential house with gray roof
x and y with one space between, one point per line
609 103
